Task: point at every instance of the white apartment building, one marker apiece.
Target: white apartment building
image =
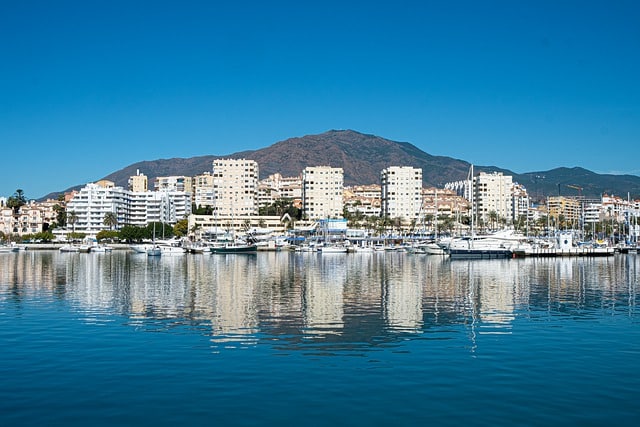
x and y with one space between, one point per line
493 194
401 192
93 202
235 187
520 202
203 194
173 183
89 206
322 188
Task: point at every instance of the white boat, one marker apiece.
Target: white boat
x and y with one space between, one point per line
171 249
141 248
479 247
8 248
433 248
333 249
69 247
154 250
100 248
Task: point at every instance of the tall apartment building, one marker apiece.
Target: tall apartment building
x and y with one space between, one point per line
322 188
401 192
520 202
235 187
90 205
138 183
493 195
202 191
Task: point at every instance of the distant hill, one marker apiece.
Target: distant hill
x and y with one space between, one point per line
363 156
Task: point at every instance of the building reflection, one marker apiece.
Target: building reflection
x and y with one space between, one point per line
370 299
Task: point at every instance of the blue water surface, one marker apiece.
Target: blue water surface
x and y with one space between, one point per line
287 338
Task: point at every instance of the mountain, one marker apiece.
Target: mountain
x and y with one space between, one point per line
363 156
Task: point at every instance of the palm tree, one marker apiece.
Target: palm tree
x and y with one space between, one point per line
72 218
110 220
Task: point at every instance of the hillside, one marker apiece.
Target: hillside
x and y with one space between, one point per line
363 156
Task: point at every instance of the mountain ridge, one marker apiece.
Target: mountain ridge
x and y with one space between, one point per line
362 157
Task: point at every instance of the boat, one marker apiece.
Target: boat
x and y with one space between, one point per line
483 246
488 246
332 248
8 248
235 247
100 248
141 248
154 250
433 248
171 248
69 247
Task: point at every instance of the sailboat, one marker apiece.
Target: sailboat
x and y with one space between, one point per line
496 245
154 250
433 248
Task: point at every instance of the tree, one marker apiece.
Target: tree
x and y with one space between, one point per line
107 235
181 228
61 215
110 220
72 218
16 201
131 233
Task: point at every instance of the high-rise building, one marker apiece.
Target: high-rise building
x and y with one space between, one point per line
138 183
203 194
493 198
322 188
235 187
401 192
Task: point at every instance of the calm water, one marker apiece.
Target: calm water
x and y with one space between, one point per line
306 339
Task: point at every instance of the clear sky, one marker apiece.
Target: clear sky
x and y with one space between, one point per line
89 87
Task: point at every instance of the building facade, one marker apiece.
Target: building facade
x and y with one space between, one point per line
401 193
493 198
235 187
138 183
203 194
322 188
87 209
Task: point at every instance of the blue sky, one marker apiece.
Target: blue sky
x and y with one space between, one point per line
89 87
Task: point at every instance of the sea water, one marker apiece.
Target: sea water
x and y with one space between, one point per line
371 339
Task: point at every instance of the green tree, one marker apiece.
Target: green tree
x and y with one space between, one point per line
72 218
181 228
131 233
108 235
16 201
110 220
61 215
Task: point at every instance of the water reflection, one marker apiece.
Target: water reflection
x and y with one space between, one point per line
336 301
